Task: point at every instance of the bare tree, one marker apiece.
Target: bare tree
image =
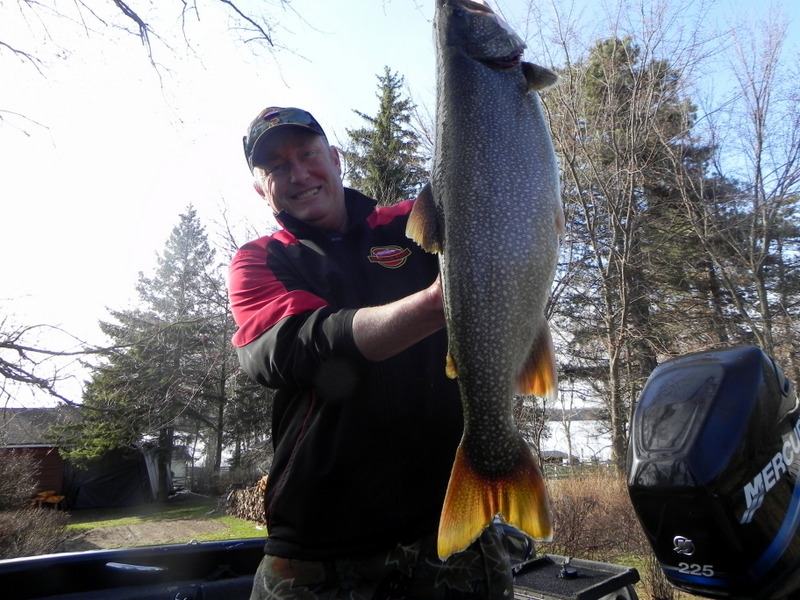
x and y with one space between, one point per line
618 116
26 362
682 228
751 235
136 18
37 32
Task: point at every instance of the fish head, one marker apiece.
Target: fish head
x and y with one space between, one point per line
473 28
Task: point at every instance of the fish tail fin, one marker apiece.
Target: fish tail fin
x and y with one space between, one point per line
538 375
472 501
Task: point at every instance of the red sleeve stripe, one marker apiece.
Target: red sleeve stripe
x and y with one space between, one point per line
258 299
386 214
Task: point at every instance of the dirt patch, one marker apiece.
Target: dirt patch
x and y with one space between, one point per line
149 533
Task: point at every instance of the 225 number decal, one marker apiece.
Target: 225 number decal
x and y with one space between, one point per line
694 569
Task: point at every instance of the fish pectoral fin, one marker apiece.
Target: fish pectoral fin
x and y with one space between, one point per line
423 224
473 501
538 375
538 78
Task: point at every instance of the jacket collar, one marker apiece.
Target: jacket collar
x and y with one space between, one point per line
358 206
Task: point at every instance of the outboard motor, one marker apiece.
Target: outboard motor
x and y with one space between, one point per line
713 474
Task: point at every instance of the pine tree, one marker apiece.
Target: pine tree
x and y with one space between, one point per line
171 370
383 159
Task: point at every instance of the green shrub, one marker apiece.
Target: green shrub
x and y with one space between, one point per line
31 531
593 518
24 530
18 474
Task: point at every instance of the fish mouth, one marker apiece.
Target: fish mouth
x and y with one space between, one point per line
475 5
505 62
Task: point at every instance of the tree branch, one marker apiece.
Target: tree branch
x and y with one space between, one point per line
258 28
23 56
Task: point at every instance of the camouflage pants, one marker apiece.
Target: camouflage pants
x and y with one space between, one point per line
406 572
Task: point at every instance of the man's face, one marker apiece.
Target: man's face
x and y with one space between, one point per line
297 171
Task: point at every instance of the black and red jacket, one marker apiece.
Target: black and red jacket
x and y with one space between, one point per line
363 449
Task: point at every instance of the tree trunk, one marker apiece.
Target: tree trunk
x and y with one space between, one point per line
164 455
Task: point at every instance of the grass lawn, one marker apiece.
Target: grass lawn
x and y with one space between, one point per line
180 507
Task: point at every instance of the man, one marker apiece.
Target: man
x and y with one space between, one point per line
342 314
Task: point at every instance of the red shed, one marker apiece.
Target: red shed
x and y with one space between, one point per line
26 430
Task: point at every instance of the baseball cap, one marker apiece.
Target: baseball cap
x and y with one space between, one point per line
272 118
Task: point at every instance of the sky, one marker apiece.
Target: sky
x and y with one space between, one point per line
111 151
91 195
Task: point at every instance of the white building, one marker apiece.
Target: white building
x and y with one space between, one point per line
589 437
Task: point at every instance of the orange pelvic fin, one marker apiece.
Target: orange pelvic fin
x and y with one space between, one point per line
473 501
538 375
423 224
450 367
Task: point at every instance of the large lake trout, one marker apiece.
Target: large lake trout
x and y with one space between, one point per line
493 213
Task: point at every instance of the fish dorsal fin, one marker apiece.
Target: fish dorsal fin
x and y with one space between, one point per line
538 375
424 226
538 78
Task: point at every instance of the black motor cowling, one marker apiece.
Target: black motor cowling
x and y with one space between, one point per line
713 471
